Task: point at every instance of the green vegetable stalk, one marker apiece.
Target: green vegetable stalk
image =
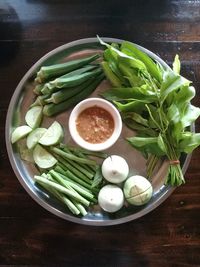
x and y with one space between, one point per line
156 102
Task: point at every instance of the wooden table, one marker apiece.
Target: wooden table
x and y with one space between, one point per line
29 235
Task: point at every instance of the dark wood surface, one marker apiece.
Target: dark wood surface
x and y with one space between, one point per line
29 235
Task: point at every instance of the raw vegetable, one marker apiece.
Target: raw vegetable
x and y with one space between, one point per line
67 93
62 189
43 158
52 109
63 85
137 190
53 135
33 117
156 102
72 157
115 169
40 100
25 153
83 151
111 198
19 133
71 176
69 185
61 197
71 79
34 137
47 72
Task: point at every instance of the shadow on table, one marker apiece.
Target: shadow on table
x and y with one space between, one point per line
10 33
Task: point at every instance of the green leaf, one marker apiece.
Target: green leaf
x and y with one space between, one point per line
176 65
185 94
141 129
134 93
171 82
189 115
111 58
130 74
115 81
189 142
136 117
173 113
161 144
135 105
149 63
133 62
146 144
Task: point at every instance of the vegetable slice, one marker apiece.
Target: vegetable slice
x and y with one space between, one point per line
34 137
43 158
53 135
20 132
33 116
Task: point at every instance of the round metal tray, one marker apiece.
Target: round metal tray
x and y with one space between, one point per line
23 97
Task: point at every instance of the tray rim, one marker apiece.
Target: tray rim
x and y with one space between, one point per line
17 172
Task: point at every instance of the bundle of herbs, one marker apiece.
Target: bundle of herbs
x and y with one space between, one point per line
155 101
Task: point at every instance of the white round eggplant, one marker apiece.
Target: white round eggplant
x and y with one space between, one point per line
115 169
137 190
111 198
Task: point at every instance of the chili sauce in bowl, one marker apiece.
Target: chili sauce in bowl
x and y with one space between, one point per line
95 124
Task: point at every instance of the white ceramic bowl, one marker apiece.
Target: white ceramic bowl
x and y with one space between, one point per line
90 102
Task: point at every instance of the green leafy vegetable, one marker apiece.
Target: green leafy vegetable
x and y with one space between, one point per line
156 102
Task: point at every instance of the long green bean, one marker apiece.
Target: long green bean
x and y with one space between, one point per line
84 168
72 206
62 189
74 170
68 184
91 169
71 176
98 154
66 177
72 157
80 207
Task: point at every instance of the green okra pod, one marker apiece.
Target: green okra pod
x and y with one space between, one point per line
69 80
67 93
52 109
47 72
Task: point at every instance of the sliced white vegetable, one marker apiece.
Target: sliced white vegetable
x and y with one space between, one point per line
20 132
34 137
111 198
115 169
26 155
137 190
53 135
33 116
24 152
43 158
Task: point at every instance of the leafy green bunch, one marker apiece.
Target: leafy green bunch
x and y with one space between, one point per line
154 100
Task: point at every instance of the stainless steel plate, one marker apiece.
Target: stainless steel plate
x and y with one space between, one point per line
23 97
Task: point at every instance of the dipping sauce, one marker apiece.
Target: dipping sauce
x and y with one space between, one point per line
95 125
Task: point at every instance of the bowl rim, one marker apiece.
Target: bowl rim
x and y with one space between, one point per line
106 105
17 170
